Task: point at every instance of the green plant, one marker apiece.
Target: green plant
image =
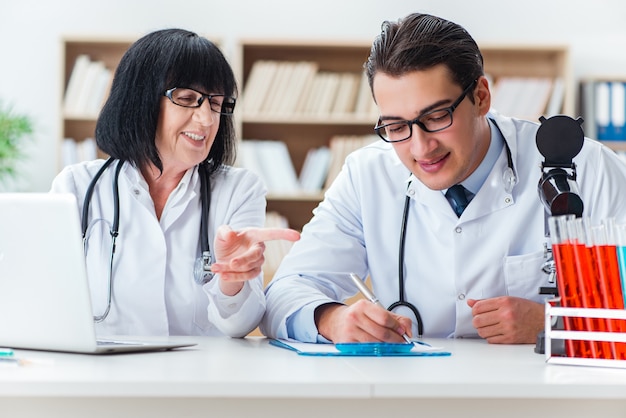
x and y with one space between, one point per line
13 130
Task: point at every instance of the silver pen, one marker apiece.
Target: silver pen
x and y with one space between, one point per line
372 298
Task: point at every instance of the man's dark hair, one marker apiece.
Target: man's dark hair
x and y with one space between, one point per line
421 41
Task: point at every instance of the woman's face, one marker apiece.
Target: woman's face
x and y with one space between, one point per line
185 135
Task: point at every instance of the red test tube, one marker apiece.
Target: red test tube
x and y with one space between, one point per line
566 279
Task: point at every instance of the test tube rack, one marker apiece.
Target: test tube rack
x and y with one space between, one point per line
552 312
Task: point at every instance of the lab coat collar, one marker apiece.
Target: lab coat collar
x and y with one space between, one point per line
186 190
507 127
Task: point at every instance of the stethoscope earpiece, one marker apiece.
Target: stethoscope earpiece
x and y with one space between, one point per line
509 179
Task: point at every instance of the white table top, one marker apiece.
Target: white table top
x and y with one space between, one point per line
224 368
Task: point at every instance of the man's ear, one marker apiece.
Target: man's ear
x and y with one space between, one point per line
482 95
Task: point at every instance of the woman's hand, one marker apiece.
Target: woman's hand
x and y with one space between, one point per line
239 254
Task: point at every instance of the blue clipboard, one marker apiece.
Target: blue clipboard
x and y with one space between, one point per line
419 349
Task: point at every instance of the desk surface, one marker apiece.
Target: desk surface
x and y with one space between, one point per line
219 373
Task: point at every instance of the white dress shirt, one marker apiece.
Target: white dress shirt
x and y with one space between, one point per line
154 292
495 248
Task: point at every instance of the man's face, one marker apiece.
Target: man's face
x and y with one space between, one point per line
438 159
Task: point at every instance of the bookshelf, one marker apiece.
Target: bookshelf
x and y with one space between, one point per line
602 104
302 130
78 124
550 62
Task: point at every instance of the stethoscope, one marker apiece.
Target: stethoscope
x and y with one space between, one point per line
202 266
509 179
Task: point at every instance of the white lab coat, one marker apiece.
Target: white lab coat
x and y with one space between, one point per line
154 292
495 248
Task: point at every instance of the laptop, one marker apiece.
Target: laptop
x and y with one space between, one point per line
45 302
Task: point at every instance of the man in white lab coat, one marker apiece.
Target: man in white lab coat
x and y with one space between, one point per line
477 273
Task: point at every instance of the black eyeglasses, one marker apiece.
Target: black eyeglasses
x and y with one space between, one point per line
186 97
433 121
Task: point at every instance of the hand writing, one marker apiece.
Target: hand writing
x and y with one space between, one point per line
362 321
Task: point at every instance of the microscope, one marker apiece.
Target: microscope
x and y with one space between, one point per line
559 139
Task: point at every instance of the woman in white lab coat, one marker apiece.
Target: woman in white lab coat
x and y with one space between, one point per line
166 124
477 274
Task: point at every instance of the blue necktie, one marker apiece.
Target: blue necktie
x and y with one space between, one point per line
459 199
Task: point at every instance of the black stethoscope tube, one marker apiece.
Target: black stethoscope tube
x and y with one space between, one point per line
509 181
114 231
401 293
201 276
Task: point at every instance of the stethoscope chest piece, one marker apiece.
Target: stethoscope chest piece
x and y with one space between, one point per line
202 273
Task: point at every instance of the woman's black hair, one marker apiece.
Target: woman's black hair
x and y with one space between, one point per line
126 127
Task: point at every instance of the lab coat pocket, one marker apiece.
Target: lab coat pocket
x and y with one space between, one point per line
523 275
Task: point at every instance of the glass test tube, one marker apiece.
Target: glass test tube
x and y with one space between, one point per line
608 280
588 270
567 281
620 240
618 286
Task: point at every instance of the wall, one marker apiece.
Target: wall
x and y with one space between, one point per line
31 32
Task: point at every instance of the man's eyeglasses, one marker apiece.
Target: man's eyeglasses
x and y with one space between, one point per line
186 97
433 121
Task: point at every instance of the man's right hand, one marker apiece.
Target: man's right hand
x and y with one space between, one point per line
362 321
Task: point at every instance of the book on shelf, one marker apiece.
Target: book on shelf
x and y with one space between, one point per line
586 107
340 147
277 87
315 169
257 86
603 108
364 106
557 97
280 88
309 102
346 94
618 110
286 88
309 73
270 160
87 87
75 83
78 151
522 97
328 94
300 78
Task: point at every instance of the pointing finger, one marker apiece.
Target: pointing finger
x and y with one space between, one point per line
269 234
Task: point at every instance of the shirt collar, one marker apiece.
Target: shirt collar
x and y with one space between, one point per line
475 181
188 182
